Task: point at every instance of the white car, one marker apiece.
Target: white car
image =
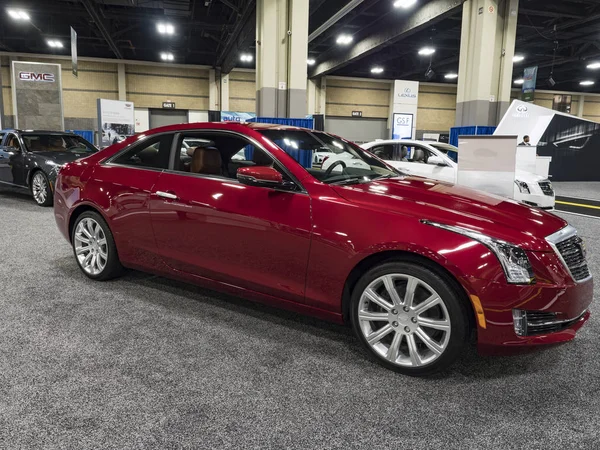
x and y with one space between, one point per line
431 160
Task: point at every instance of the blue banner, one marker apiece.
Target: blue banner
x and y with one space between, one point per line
529 82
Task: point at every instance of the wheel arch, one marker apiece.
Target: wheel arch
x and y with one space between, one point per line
382 257
79 210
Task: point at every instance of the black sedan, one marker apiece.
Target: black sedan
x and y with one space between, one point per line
32 159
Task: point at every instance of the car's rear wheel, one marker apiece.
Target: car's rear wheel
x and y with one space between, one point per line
40 189
409 318
94 247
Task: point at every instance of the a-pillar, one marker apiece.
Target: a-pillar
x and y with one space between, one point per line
281 52
487 47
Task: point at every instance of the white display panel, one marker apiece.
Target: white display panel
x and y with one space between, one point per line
488 163
142 120
402 126
116 121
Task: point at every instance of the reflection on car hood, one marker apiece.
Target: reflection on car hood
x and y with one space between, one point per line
492 215
61 157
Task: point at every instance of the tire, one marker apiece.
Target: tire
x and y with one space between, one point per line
40 189
94 247
419 338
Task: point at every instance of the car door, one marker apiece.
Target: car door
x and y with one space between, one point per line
208 224
12 168
123 187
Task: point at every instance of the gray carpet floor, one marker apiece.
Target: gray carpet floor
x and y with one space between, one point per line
588 189
144 362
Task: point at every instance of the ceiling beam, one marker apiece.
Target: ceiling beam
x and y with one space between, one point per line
243 35
547 13
91 9
383 34
334 19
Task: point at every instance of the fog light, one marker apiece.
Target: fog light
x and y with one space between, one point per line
520 322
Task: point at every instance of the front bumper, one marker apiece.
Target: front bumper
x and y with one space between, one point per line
568 301
538 200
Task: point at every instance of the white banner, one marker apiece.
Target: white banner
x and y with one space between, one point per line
116 121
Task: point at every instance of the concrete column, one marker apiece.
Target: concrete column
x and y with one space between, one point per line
213 91
311 93
281 52
322 96
122 82
489 29
224 97
580 105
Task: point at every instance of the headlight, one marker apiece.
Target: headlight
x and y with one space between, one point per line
523 187
513 259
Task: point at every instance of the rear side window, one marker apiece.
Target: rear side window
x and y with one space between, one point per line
153 153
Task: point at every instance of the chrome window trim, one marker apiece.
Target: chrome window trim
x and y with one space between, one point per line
562 235
253 141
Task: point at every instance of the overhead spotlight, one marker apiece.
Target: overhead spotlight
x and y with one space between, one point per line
551 81
519 81
18 14
165 28
587 83
310 62
451 76
377 70
54 43
595 65
518 58
344 39
429 74
167 56
426 51
404 3
246 57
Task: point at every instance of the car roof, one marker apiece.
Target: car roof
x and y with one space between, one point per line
16 130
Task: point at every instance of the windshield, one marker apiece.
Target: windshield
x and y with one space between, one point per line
46 142
328 158
450 150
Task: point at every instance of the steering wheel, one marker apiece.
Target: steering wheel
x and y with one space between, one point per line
337 163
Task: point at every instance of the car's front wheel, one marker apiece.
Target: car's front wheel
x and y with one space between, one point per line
94 247
409 317
40 189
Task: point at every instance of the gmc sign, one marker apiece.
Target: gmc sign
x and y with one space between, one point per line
32 76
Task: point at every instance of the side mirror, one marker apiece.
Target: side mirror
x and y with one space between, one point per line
436 161
263 176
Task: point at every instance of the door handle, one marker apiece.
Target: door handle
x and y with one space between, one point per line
168 195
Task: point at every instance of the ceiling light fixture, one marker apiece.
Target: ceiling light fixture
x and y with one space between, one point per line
167 56
594 65
344 39
451 76
518 58
427 51
54 43
310 62
246 57
404 3
377 70
519 81
18 14
587 83
165 28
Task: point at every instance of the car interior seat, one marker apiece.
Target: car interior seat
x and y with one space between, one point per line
404 153
206 160
419 156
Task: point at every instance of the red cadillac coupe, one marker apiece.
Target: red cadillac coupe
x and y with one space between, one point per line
416 266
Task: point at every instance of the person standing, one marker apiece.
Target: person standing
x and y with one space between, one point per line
525 141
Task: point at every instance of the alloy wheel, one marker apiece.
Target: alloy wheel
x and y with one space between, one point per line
404 320
39 187
91 246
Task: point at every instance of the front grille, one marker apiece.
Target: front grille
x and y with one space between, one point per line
546 188
572 251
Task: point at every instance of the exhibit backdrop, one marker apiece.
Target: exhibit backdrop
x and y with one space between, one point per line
116 120
37 96
406 100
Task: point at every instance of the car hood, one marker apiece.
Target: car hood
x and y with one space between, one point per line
449 204
61 157
529 177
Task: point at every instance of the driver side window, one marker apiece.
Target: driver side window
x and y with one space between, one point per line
13 141
419 154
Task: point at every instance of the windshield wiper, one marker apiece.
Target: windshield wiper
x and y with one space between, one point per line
353 180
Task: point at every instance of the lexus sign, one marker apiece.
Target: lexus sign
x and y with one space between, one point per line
33 76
